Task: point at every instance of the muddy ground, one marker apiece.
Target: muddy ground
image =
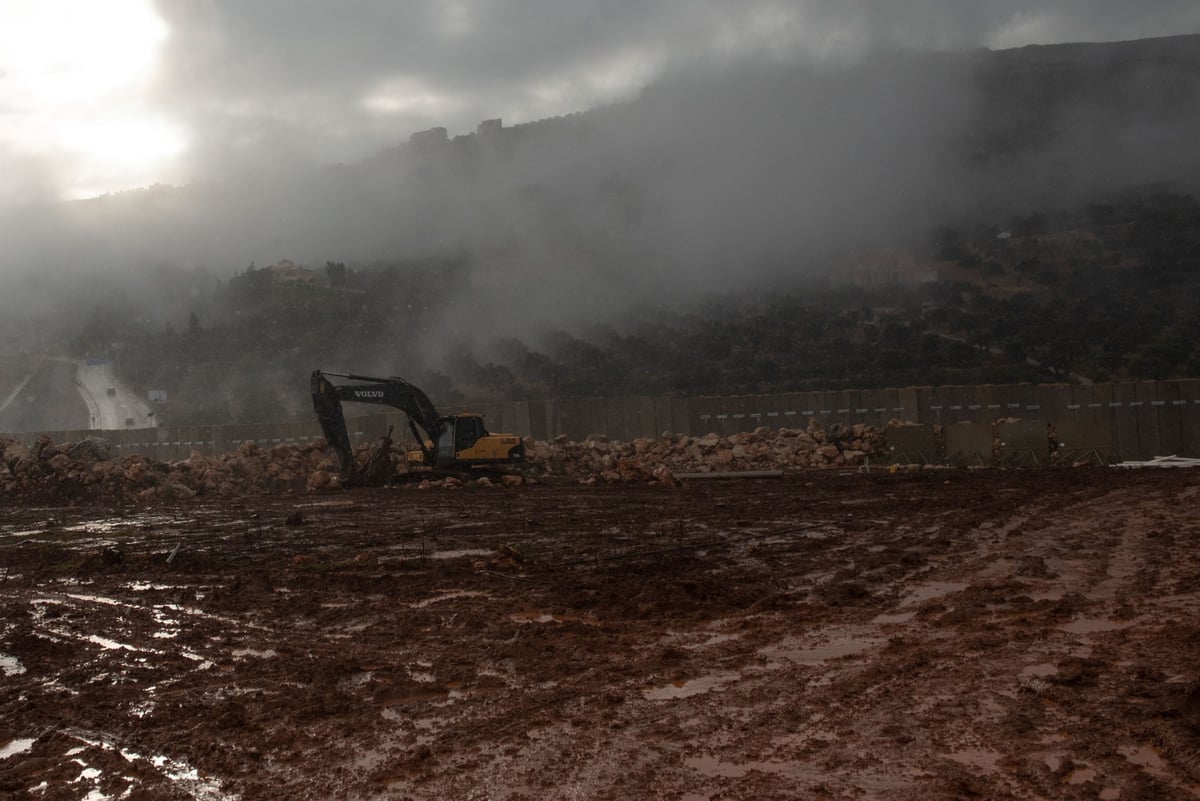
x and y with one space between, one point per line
938 635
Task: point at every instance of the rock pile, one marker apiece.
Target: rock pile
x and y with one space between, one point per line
762 449
89 471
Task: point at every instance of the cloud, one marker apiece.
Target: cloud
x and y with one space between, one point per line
759 134
74 82
341 81
28 178
233 84
737 172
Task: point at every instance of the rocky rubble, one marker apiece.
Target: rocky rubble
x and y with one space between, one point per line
88 470
598 459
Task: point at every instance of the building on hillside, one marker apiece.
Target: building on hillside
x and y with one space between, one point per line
434 137
288 272
490 127
876 269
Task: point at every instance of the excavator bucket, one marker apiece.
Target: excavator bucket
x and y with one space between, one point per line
333 423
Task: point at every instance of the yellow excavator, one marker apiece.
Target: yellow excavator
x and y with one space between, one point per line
443 441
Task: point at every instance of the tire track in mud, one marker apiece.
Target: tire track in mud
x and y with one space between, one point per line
852 636
873 663
1095 599
843 682
114 668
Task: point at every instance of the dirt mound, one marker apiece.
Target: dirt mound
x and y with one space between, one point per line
790 449
87 470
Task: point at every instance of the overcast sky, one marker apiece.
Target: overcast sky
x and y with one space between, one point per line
96 97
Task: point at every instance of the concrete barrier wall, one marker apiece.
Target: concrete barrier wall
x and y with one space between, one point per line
1135 420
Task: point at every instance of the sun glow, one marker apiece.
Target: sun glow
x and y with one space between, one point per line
76 92
406 95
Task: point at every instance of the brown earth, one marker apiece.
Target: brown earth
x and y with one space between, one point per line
932 635
89 471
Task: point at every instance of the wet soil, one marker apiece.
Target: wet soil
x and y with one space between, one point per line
941 635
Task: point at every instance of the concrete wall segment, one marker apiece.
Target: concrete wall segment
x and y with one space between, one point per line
1139 420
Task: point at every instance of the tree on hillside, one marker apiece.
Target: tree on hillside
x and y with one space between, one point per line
336 271
251 287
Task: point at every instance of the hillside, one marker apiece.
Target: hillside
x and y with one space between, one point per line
1105 291
709 236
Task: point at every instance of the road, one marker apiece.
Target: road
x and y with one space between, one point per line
111 404
56 394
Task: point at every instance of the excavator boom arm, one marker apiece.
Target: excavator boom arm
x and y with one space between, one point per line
395 392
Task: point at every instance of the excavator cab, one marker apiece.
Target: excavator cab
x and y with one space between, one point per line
473 444
468 429
465 441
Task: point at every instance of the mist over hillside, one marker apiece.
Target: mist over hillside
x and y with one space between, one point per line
754 174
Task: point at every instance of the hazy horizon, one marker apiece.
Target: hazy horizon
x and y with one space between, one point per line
768 145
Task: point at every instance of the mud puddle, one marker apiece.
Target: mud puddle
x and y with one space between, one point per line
685 688
832 645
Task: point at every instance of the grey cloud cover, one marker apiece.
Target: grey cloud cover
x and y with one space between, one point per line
764 140
258 79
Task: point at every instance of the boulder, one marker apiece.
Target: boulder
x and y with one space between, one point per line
176 492
663 475
829 452
320 479
17 457
854 457
721 460
90 449
633 469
